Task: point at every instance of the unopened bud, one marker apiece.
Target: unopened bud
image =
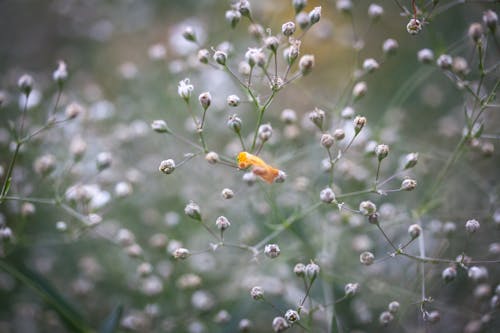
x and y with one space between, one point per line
103 160
359 122
167 166
390 46
409 161
317 117
280 324
73 110
272 250
381 151
234 122
212 157
193 210
257 293
220 57
472 226
265 132
222 223
233 17
288 28
244 8
351 289
414 230
181 253
475 31
414 26
292 316
299 269
367 208
359 90
203 56
408 184
312 270
327 140
61 73
315 15
449 274
227 193
370 65
189 34
490 19
375 11
425 56
306 63
233 100
366 258
25 83
205 100
159 126
444 61
298 5
339 134
327 195
385 318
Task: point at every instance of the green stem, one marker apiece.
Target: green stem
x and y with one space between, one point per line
259 119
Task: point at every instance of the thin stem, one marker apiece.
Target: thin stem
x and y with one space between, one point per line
29 199
259 119
378 171
386 237
8 176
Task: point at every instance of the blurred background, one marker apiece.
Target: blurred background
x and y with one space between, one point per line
125 60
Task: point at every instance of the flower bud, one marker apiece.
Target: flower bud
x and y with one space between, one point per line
45 164
244 325
272 250
257 293
351 289
288 116
367 208
410 160
280 324
256 31
370 65
476 31
373 218
212 157
227 193
472 226
233 17
103 160
244 8
344 6
414 26
425 56
490 19
390 46
272 43
414 230
299 269
184 89
222 223
347 112
203 56
27 209
444 61
393 307
433 317
25 84
326 195
181 253
302 20
339 134
73 110
288 29
159 126
478 273
220 57
292 316
359 90
327 140
306 63
298 5
233 100
312 270
193 210
381 151
61 73
234 122
167 166
449 274
205 100
408 184
385 318
366 258
317 117
315 15
375 11
265 132
460 66
189 34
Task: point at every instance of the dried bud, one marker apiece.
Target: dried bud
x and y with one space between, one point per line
25 84
292 316
381 151
212 157
257 293
414 26
312 270
490 19
181 253
449 274
476 31
326 195
299 269
61 73
234 122
233 100
390 46
408 184
280 324
159 126
317 117
472 226
205 100
222 223
414 230
233 17
370 65
425 56
444 61
366 258
227 193
327 140
220 57
359 90
315 15
288 28
193 210
272 250
375 11
203 56
189 34
351 289
367 208
265 132
306 63
359 122
167 166
339 134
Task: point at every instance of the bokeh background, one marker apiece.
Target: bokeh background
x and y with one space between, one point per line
118 72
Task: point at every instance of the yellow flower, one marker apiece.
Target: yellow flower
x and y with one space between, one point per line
260 168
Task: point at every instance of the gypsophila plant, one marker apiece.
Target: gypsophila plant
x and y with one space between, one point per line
294 166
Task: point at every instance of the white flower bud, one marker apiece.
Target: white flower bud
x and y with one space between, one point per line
344 6
367 208
490 19
272 43
433 317
408 184
393 307
385 318
288 28
45 164
476 31
299 269
351 289
327 195
409 161
298 5
414 26
272 250
327 140
227 193
425 56
315 15
189 34
449 274
359 90
205 100
279 324
233 100
234 122
25 83
359 122
375 11
478 273
222 223
220 57
61 226
265 132
288 116
203 56
306 63
444 61
157 52
312 270
370 65
366 258
292 316
339 134
381 151
244 325
257 293
193 210
414 230
317 117
61 73
390 46
212 157
256 30
347 112
244 8
73 110
233 17
302 20
159 126
181 253
472 226
167 166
